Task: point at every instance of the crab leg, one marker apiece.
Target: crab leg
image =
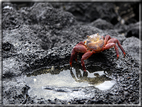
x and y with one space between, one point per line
113 40
121 48
107 37
78 48
110 45
84 57
73 55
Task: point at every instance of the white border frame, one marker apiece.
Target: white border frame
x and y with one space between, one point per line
140 97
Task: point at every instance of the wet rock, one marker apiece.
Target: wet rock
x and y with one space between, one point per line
15 93
11 67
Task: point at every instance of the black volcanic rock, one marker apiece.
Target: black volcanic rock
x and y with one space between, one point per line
132 46
11 18
102 24
88 12
134 30
128 12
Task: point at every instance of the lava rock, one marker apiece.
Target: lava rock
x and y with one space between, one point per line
88 12
127 13
102 24
11 17
133 30
121 28
132 46
22 4
44 15
15 93
7 46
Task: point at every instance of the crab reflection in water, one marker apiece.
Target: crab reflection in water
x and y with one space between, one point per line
98 78
66 77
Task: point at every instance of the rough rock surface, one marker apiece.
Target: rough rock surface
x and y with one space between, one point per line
132 45
112 12
133 30
102 24
88 12
41 35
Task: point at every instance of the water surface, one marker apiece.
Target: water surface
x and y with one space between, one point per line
63 83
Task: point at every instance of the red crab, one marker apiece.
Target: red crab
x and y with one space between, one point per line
94 44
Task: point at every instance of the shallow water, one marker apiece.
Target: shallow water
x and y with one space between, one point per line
64 83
